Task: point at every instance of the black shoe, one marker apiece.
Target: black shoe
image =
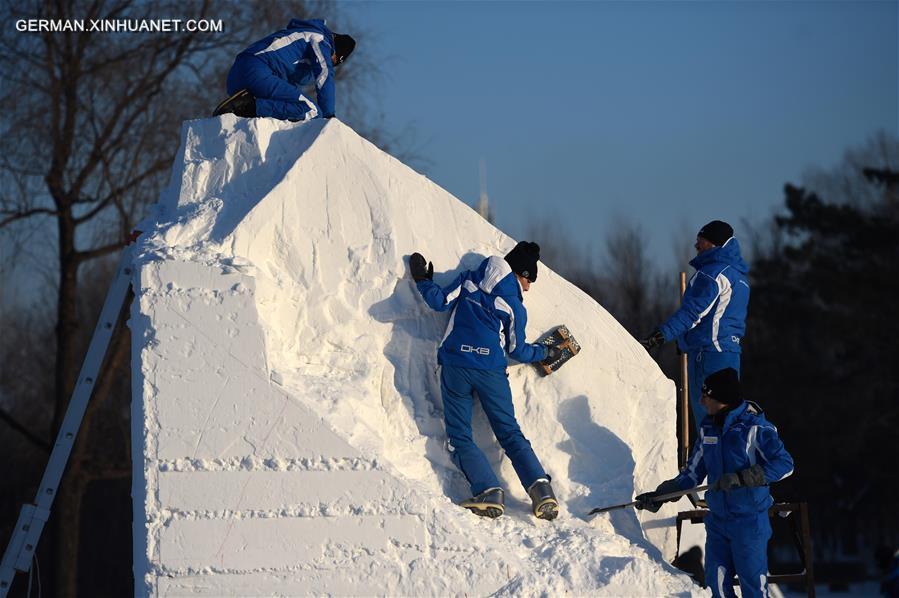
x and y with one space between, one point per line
488 503
241 104
543 502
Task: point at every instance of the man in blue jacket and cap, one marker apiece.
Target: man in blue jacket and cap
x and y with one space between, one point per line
267 79
741 453
711 320
488 323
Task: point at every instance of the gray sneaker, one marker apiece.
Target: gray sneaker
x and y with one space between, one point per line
488 503
543 502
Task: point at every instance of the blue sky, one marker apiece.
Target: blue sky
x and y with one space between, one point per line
666 114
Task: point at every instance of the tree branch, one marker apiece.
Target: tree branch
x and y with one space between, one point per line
114 196
83 256
21 429
13 216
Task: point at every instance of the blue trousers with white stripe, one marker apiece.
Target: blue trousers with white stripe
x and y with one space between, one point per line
275 97
457 386
737 545
699 366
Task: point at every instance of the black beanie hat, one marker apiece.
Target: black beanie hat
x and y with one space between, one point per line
523 259
717 232
723 386
343 46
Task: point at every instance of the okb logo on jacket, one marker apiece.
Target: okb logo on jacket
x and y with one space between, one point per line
478 350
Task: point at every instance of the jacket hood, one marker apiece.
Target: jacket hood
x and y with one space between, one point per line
313 25
754 408
728 254
744 409
497 278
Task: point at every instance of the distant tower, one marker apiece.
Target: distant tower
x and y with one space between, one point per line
483 206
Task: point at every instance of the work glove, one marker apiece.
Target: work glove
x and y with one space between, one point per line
419 271
653 340
727 482
753 476
648 501
552 354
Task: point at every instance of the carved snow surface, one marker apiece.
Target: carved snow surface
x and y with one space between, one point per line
287 419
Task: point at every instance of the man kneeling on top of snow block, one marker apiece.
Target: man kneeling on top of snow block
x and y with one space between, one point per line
741 453
267 78
488 321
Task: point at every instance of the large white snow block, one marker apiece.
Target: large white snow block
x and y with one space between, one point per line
288 433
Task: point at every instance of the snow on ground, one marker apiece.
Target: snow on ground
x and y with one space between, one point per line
288 433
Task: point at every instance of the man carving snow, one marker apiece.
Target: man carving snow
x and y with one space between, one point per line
741 453
267 79
711 321
487 323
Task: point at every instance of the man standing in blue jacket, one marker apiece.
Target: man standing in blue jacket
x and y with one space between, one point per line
711 320
741 453
268 77
487 323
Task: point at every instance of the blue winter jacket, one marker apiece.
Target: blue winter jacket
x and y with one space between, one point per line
712 316
488 320
746 438
301 54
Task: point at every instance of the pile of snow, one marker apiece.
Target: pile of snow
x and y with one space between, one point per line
287 427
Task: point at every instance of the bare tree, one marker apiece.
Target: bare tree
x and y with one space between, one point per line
624 280
848 181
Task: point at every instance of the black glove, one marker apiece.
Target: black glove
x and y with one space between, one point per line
648 500
727 482
419 271
552 354
753 476
653 340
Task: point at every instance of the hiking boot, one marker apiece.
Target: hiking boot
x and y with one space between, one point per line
488 503
241 104
543 502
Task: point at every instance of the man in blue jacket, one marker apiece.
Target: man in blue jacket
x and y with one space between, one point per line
711 320
488 323
740 453
267 78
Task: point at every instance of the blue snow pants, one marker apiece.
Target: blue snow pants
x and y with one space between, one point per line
457 386
275 96
699 366
737 545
